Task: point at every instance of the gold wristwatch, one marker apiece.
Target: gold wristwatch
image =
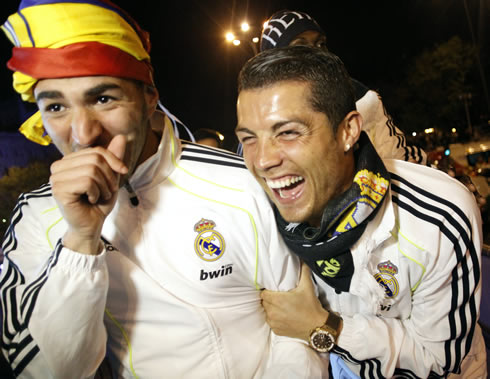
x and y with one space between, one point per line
323 338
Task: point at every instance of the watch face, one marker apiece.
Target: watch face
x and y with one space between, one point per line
322 340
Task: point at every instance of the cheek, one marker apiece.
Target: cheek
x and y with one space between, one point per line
248 157
59 133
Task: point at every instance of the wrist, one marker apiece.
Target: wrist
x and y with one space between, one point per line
323 338
316 320
75 242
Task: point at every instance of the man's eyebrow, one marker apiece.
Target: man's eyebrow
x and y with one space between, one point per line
95 91
276 126
49 95
100 89
242 129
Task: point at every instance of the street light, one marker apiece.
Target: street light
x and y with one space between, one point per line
243 36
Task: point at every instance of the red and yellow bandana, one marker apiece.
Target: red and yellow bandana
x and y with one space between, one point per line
57 39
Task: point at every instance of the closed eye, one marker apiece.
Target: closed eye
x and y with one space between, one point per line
246 139
288 134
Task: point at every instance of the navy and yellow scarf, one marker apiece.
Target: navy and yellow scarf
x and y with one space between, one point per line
326 250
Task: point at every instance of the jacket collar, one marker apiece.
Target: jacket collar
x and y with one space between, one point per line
161 164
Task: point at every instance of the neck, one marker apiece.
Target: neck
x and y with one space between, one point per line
150 147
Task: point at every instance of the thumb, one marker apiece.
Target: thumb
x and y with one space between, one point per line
305 278
117 146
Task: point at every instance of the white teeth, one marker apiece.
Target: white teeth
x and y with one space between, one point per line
282 183
281 195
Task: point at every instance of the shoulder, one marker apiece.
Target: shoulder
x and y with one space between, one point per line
428 179
210 156
38 199
431 196
222 172
31 217
218 165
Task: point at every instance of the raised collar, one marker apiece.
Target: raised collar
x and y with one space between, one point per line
161 164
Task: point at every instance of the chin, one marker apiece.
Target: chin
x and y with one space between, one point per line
291 216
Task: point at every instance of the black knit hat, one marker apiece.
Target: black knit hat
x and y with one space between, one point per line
283 26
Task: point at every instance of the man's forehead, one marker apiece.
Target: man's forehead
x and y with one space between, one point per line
275 105
278 92
80 84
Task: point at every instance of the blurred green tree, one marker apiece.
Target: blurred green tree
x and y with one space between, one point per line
16 181
429 96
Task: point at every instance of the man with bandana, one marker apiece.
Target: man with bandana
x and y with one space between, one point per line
143 248
294 28
394 247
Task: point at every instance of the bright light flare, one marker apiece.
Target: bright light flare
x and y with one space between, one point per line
236 42
230 36
245 26
453 130
429 130
255 40
414 134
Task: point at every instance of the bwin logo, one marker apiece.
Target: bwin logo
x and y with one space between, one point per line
225 270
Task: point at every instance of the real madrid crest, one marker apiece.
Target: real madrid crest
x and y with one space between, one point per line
209 244
386 278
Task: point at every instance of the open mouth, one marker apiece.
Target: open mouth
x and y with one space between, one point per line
287 188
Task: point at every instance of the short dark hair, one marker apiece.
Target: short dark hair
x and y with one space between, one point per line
330 84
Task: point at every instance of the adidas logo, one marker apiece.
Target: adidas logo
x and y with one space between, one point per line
225 270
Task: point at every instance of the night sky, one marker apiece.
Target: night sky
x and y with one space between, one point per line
196 69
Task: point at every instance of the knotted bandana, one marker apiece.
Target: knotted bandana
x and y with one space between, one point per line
326 250
63 39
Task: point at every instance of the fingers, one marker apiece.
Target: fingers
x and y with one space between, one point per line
92 172
86 179
305 285
100 156
117 147
267 296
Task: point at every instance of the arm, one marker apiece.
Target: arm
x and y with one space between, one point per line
290 357
389 141
52 302
434 337
53 297
441 327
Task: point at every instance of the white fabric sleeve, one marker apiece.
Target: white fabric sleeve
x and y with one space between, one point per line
53 302
293 359
290 357
389 141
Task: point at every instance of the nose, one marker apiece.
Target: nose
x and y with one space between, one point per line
85 126
268 155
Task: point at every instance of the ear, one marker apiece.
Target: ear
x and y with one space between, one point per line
151 98
350 130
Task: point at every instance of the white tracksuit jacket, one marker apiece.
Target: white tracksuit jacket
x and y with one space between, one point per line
424 248
175 293
389 141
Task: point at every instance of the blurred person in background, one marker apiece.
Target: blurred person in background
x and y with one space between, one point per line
209 137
